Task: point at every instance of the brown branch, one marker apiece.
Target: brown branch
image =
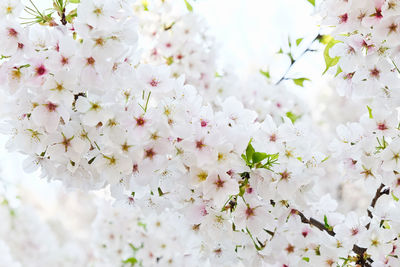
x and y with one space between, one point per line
378 194
356 249
63 18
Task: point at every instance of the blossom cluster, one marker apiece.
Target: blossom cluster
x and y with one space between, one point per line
365 49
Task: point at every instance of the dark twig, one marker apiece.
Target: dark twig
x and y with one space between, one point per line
293 61
63 18
356 249
378 194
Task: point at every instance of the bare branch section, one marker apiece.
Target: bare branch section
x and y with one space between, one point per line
378 194
356 249
363 261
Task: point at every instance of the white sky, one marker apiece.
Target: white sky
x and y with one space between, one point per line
252 31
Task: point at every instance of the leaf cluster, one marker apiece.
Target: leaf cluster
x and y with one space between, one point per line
257 160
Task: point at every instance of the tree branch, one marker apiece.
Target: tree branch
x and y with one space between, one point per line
356 249
378 194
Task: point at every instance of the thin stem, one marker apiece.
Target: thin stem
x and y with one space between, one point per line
293 61
395 65
36 8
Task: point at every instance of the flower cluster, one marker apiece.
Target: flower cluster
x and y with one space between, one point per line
365 49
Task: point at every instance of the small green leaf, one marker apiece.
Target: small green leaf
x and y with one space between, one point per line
329 61
386 225
188 6
12 212
245 158
71 15
249 151
293 117
135 249
259 156
74 1
298 41
327 226
145 5
312 2
339 70
91 160
266 73
394 197
160 192
24 66
143 225
370 112
325 159
280 51
132 261
307 259
325 39
300 81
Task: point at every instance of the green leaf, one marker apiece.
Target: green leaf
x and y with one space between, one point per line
245 158
289 43
307 259
132 261
370 112
300 81
298 41
325 159
160 192
266 73
74 1
327 226
249 151
339 70
293 117
135 249
394 197
91 160
386 225
312 2
145 5
259 156
329 61
325 39
188 6
143 225
71 15
280 51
